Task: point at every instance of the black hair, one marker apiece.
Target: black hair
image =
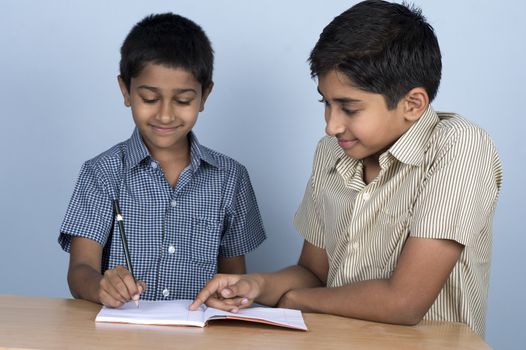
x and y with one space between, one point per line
171 40
382 47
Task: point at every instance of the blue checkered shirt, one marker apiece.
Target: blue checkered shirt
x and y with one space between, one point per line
175 235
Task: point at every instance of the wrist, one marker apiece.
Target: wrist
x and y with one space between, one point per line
95 292
259 282
289 300
84 283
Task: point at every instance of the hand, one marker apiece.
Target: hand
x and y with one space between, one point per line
117 286
229 292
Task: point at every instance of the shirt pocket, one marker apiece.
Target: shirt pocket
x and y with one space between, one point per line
389 234
203 240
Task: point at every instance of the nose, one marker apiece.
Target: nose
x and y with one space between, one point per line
166 112
334 122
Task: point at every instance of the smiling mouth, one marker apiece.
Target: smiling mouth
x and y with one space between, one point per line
347 143
163 130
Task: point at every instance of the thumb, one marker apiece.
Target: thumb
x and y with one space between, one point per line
141 285
240 289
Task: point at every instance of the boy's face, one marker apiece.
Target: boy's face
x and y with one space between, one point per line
165 103
359 120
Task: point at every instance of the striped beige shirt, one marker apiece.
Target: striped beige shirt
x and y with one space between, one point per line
440 180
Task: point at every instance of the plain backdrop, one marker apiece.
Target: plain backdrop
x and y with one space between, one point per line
60 105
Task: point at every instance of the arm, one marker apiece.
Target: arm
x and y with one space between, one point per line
265 288
444 219
114 288
232 265
422 270
311 271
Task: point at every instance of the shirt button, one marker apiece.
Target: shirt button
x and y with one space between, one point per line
171 249
355 245
153 165
366 196
166 292
173 203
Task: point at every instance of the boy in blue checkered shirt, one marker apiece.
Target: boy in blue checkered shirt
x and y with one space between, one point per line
189 212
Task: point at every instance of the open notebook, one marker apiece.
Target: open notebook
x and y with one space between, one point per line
175 312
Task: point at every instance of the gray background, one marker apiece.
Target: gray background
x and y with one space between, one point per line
60 105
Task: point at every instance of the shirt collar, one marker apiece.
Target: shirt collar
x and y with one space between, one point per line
199 153
137 151
411 146
344 164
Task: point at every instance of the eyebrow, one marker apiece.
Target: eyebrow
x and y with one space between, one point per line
177 91
342 100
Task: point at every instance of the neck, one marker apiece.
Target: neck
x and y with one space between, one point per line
173 162
180 154
170 156
371 168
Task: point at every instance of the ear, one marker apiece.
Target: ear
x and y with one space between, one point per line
415 103
124 91
206 93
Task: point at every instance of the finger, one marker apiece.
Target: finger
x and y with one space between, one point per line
201 298
116 283
231 305
107 286
141 285
243 288
226 293
108 300
208 291
239 302
132 287
220 304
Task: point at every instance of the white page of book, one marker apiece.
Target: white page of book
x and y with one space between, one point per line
175 312
153 312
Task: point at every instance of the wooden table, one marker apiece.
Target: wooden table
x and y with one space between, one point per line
46 323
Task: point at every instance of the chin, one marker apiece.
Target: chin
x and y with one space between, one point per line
354 155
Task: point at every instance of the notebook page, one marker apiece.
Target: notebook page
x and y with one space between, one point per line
174 312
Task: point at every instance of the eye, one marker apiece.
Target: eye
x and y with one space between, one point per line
349 112
184 102
324 101
149 100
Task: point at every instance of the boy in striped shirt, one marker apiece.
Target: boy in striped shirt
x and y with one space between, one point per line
398 211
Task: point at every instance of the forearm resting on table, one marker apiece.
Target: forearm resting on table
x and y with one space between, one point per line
374 300
404 298
275 285
84 282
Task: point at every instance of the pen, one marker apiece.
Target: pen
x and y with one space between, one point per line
120 222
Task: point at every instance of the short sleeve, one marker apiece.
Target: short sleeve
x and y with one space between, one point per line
243 229
90 212
457 200
308 220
